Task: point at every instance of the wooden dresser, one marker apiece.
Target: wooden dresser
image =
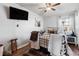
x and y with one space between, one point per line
13 46
15 51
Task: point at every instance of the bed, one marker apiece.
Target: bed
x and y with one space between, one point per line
56 44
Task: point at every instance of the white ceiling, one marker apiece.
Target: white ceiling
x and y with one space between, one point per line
62 9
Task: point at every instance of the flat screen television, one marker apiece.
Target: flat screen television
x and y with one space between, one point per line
18 14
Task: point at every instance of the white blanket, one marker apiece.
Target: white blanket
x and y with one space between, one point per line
55 45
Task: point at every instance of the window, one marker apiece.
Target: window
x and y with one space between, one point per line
65 24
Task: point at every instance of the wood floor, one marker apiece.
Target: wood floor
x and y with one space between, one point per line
24 50
75 49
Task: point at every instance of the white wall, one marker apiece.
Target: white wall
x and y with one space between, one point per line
8 29
50 22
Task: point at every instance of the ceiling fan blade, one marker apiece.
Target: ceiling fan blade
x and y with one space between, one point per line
53 9
48 4
56 4
42 8
45 10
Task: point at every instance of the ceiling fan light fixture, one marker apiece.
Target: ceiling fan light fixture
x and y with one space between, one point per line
48 8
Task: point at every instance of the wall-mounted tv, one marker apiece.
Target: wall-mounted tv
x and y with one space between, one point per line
18 14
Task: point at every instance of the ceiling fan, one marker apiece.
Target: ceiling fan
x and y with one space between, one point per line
49 6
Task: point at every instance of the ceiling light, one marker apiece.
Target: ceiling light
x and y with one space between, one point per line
48 8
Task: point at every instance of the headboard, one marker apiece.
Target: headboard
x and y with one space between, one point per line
52 30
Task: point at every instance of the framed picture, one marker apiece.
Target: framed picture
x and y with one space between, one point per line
37 23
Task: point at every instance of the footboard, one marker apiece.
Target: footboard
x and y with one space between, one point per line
43 40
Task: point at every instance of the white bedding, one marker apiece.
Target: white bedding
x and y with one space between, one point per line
55 45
